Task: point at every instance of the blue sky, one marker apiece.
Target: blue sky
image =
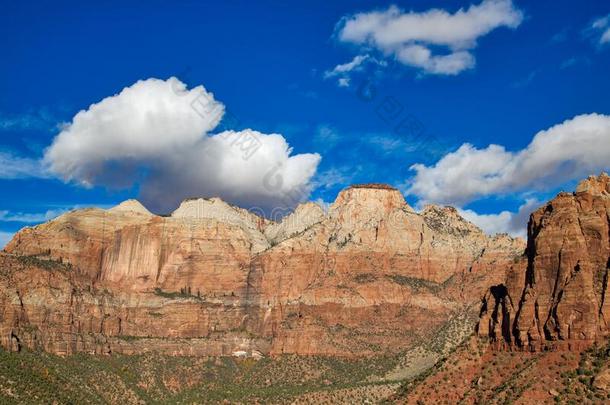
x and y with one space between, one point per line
316 74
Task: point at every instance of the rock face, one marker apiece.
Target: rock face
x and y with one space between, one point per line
557 295
133 206
602 380
371 276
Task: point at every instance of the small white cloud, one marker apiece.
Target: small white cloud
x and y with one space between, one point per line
346 67
157 134
343 81
410 37
564 152
512 223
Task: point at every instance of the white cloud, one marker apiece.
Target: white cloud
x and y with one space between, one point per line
157 134
5 237
15 167
512 223
410 37
564 152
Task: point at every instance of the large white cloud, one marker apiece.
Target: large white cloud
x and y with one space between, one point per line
567 151
156 133
412 37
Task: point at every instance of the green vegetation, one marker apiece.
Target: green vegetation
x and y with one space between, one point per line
46 263
578 383
184 293
416 283
365 278
37 378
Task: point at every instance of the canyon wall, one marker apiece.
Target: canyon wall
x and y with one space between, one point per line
556 296
371 276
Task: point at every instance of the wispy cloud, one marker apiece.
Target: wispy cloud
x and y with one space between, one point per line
568 63
40 120
559 37
16 167
355 63
389 144
335 176
343 71
326 137
599 30
44 216
7 216
526 81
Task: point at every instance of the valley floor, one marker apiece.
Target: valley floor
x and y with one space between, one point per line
32 377
472 374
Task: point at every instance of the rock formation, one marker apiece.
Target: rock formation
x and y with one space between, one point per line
557 295
371 276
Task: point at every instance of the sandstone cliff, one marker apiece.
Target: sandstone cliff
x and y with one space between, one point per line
372 276
557 295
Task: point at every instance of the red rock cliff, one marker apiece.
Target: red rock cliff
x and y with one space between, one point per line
371 276
557 295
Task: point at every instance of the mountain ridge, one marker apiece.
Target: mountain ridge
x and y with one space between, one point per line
227 280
